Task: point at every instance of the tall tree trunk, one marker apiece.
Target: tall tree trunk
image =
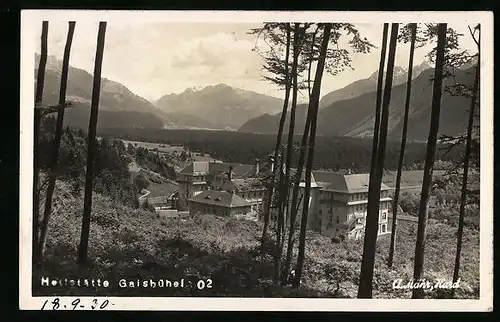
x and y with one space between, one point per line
283 215
297 35
298 175
390 260
295 196
270 188
373 211
57 141
378 103
429 160
91 150
312 140
40 81
279 222
463 197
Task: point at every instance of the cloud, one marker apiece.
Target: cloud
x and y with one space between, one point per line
218 54
153 59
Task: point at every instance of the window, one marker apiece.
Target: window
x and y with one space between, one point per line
384 216
383 228
338 219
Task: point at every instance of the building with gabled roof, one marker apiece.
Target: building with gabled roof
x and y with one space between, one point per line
199 176
219 203
337 204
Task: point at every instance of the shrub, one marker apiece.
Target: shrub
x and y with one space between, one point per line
141 182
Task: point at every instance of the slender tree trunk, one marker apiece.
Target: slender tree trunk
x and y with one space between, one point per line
283 215
373 211
40 80
403 145
297 35
57 141
279 226
429 160
463 197
298 175
91 150
270 188
378 103
312 140
294 205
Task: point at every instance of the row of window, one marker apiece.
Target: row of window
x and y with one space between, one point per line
359 196
362 207
352 197
358 221
252 194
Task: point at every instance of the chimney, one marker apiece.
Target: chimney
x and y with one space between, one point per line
230 173
271 161
257 166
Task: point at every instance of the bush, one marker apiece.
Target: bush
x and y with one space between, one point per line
409 202
141 182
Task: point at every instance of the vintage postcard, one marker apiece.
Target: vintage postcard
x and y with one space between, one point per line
256 161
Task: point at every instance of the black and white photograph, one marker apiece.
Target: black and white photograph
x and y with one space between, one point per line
239 160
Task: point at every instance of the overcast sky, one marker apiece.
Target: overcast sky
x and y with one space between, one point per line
155 59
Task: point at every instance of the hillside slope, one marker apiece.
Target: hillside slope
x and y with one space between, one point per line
118 106
369 84
126 243
355 117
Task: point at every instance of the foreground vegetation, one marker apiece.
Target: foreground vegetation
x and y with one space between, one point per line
133 243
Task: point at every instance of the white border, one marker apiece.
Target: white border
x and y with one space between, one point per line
31 19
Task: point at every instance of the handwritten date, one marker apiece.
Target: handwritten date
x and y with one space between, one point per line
58 304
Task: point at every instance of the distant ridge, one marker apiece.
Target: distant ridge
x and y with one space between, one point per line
221 105
369 84
118 107
354 117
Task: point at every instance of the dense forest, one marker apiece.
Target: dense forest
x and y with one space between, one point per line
333 153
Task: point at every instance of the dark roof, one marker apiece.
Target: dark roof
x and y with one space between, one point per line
195 168
242 185
216 168
220 198
351 183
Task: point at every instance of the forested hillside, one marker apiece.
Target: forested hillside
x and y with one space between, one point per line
355 117
331 152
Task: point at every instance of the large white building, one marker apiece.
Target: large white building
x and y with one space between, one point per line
241 180
338 204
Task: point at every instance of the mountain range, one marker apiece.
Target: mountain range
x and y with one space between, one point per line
369 84
221 107
218 107
355 116
220 104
